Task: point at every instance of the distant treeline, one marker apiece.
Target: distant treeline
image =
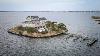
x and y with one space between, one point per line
49 11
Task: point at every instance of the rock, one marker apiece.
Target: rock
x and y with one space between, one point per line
89 41
0 42
71 35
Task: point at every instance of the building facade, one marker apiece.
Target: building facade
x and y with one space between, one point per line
35 21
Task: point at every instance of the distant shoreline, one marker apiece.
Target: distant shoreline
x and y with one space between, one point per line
49 11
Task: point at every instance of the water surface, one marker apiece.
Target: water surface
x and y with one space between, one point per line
77 22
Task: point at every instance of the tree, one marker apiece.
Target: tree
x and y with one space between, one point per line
48 24
51 25
62 26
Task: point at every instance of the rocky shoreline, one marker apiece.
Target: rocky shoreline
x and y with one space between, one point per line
36 34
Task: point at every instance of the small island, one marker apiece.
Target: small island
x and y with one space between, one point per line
96 18
35 26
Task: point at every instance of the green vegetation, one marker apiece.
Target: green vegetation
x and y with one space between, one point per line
28 29
20 28
62 26
31 30
53 26
20 32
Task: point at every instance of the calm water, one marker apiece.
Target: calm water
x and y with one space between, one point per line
77 22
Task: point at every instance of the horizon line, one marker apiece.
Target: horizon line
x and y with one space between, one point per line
49 11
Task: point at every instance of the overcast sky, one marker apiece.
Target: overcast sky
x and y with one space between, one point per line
49 5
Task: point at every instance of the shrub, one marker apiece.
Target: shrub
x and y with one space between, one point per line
20 27
20 33
31 30
62 26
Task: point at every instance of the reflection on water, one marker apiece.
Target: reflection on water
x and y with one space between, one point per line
77 22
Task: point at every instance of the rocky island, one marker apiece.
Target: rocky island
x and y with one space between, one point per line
35 26
96 18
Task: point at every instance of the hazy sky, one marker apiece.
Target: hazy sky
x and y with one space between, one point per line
49 5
